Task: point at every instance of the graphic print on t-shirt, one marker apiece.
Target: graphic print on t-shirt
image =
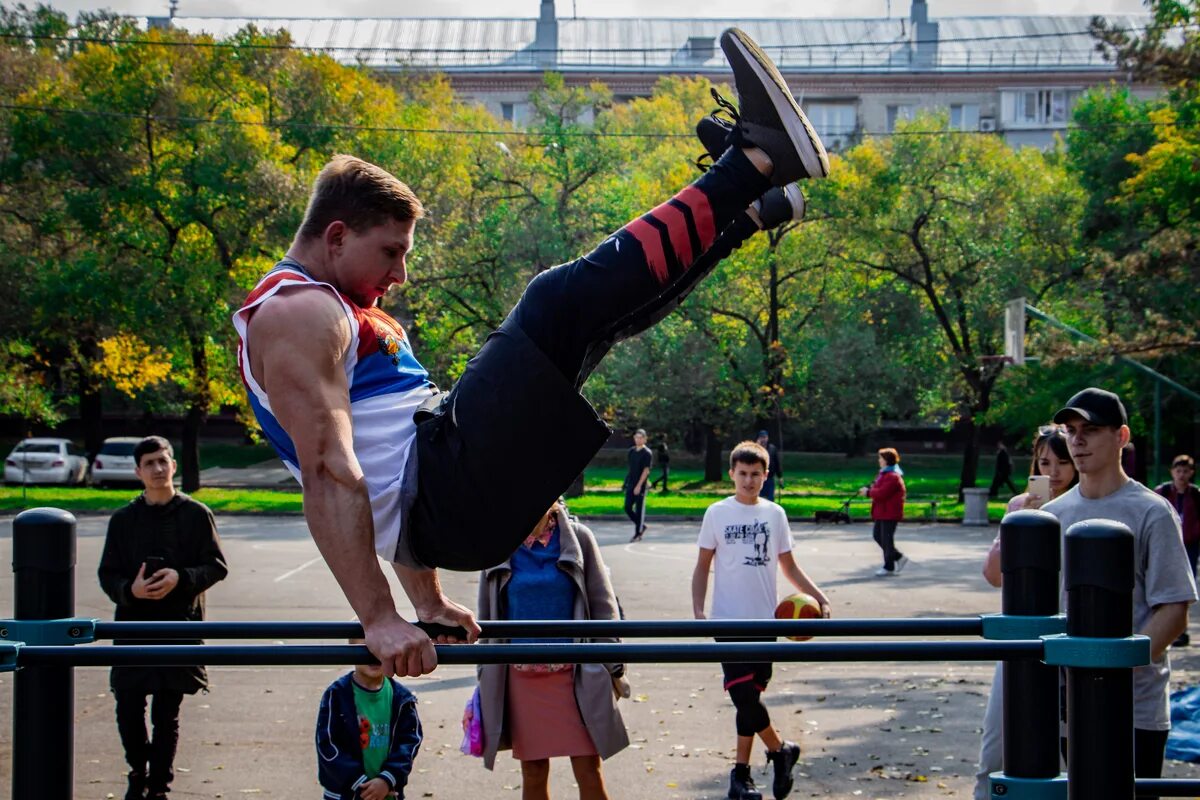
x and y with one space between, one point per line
373 735
756 533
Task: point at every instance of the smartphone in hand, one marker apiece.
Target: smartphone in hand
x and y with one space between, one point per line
1039 489
153 565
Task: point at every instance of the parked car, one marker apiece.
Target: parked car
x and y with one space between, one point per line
46 461
114 462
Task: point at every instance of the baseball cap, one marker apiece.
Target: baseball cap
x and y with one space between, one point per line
1096 406
762 434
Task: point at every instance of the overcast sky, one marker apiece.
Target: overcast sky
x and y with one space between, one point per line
598 8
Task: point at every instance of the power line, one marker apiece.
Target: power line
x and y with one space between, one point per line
576 134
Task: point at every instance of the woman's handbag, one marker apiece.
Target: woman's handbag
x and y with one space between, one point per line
472 723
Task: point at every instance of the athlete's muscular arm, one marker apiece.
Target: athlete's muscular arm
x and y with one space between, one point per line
296 345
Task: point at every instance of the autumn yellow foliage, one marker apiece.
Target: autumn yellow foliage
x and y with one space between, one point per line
131 364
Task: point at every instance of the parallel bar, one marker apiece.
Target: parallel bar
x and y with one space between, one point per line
1166 787
583 629
274 655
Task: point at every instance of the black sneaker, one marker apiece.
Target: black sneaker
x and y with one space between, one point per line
780 204
769 117
784 761
136 788
742 788
714 133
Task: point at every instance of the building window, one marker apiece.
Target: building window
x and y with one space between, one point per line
964 116
1029 108
515 113
835 123
898 114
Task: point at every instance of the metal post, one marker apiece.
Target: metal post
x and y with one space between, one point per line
1098 575
44 708
1030 555
1153 472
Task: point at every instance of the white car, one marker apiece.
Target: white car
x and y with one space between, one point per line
114 462
46 461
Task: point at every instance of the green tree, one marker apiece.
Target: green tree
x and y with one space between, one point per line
515 205
162 154
962 223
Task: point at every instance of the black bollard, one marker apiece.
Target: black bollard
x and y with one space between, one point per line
44 709
1098 575
1030 555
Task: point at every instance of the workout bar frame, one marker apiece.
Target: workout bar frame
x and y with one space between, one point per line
1098 577
575 629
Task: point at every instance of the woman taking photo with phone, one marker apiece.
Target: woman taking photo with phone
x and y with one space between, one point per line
1051 474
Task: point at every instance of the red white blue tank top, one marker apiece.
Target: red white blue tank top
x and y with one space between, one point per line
387 385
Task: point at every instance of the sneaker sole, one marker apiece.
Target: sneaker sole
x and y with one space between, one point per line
796 198
799 129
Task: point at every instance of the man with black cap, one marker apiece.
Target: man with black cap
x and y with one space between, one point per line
1097 428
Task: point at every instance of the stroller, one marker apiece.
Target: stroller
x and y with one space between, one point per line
840 515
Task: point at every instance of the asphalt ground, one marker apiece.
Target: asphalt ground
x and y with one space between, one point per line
869 730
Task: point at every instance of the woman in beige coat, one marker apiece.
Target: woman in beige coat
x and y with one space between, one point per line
542 711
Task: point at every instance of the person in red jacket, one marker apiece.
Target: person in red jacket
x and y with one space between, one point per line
887 494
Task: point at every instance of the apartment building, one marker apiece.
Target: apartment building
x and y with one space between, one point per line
1015 75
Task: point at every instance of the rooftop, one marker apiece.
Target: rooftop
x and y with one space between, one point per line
949 44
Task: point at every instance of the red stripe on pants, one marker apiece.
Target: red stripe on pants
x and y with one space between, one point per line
677 229
648 236
702 214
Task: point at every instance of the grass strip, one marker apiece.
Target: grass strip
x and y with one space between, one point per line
14 499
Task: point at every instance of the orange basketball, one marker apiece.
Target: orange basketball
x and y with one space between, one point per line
798 606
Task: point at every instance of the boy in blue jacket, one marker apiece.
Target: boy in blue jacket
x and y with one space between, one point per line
368 734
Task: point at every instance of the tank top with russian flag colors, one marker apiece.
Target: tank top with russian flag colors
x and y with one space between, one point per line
387 385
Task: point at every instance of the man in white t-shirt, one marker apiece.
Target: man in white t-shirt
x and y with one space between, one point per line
745 536
1097 430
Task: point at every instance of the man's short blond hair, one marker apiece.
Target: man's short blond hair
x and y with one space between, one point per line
359 194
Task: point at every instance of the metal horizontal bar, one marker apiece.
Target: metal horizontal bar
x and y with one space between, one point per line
581 629
668 653
1166 787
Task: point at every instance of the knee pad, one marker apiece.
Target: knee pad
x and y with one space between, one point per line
752 715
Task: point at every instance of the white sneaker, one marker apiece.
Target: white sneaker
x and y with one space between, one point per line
883 572
900 563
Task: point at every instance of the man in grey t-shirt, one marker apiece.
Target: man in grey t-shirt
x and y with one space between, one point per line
1097 429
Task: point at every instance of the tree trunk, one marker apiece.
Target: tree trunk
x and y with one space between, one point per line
91 407
712 454
970 463
190 452
856 445
197 413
